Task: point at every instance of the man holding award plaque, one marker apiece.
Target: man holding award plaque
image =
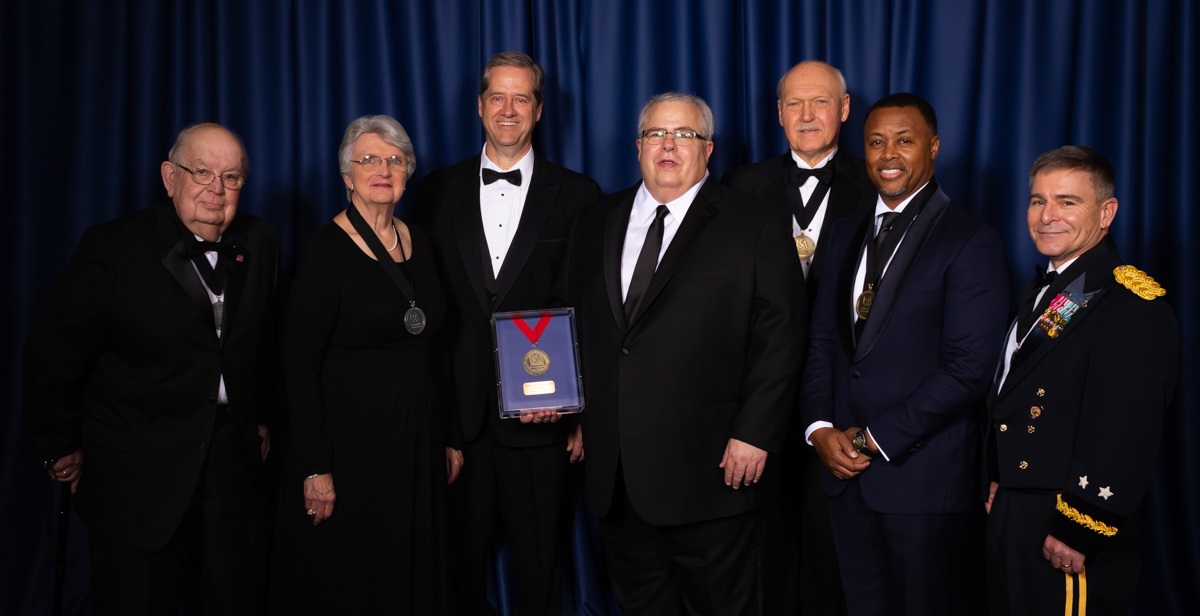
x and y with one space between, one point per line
690 300
818 182
499 221
904 344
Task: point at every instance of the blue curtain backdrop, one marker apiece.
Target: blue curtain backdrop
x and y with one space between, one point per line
94 92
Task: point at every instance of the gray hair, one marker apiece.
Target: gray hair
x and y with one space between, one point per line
841 79
706 115
184 135
389 130
1079 158
514 59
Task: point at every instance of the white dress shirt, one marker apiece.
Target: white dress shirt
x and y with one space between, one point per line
1013 343
500 206
644 207
813 229
211 255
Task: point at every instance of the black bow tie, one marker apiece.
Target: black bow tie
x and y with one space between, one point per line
1042 278
799 176
491 175
198 247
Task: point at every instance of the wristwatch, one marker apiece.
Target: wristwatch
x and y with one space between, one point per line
860 444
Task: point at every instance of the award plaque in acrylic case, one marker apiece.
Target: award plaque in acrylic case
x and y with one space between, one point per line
537 362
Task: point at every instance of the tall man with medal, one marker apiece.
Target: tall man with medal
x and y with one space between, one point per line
902 350
499 221
819 183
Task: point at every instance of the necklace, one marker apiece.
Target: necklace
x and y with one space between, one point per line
397 234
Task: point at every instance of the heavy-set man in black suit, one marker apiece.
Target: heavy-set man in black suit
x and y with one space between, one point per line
149 376
1076 415
817 182
690 316
904 340
500 222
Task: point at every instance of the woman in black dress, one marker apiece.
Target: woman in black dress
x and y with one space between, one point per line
369 445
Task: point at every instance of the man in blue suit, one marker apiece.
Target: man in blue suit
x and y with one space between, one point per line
903 348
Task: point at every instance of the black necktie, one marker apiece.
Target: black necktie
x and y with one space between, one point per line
491 175
799 176
1026 315
886 220
214 276
647 262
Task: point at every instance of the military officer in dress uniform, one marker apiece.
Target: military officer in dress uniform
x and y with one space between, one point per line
1076 413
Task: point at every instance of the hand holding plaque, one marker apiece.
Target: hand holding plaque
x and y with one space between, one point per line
537 371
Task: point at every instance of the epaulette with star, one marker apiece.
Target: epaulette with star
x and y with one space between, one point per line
1139 282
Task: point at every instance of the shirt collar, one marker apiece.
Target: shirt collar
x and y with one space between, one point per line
821 163
882 208
525 164
644 204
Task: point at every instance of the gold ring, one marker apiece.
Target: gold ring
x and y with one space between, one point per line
1068 566
312 512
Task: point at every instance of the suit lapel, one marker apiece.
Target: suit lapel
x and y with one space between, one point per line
1041 343
468 227
175 255
701 211
897 271
539 202
235 282
845 194
845 281
614 241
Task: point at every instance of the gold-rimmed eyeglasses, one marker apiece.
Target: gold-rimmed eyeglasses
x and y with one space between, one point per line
229 179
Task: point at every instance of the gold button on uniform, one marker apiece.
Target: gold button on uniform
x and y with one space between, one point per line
1041 393
1003 427
1035 412
1023 465
1030 429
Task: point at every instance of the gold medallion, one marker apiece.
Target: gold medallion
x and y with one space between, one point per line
862 306
536 362
805 246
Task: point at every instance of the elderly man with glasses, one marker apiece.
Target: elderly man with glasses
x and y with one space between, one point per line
148 381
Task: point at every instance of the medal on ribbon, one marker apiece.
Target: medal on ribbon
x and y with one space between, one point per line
414 318
536 361
805 246
862 305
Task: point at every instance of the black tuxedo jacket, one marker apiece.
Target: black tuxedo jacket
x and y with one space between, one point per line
768 180
1082 414
918 375
447 205
123 361
712 355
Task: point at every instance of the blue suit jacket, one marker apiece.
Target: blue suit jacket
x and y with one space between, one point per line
918 375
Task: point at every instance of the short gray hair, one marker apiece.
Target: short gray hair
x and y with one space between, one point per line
1079 158
389 130
706 115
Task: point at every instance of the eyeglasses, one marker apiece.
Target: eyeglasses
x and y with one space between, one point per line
395 163
229 179
655 136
